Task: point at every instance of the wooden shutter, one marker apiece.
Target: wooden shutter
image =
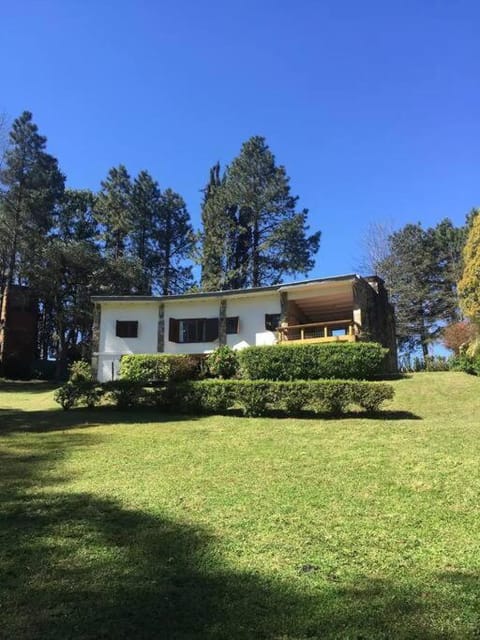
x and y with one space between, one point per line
211 329
173 330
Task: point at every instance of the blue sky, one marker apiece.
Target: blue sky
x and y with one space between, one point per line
373 107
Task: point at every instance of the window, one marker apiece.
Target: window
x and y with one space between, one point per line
193 330
232 325
272 320
127 329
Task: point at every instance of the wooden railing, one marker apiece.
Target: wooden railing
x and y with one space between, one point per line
319 332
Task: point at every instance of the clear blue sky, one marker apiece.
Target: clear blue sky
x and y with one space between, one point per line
373 106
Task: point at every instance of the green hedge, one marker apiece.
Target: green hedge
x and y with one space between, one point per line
258 397
253 397
159 367
350 361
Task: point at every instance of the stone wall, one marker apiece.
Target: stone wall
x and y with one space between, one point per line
376 316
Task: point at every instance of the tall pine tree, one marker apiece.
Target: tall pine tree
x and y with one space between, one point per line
146 200
66 279
250 219
174 244
420 270
212 236
114 211
121 272
31 186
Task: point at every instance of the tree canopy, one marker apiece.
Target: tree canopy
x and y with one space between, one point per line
420 268
253 235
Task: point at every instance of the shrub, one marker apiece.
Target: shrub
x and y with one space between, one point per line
82 392
223 363
253 397
158 367
124 393
466 363
437 363
257 397
313 362
80 371
67 395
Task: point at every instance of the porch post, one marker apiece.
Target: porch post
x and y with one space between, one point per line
283 307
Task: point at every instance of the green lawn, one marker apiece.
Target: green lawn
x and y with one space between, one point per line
131 525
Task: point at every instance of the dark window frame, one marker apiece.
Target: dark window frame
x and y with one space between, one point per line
272 321
126 329
232 323
200 330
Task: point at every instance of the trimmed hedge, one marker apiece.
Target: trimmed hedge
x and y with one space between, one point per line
253 397
159 367
258 397
350 361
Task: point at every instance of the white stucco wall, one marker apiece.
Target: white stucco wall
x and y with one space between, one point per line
111 347
251 312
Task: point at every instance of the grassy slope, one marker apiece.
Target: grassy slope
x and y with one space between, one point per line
118 526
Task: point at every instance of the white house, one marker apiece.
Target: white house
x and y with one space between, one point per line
341 308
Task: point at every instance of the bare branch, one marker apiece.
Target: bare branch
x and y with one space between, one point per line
375 247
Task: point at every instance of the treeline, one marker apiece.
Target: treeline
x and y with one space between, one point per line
132 237
425 270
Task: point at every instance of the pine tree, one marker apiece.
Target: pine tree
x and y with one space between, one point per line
420 270
213 232
65 280
447 249
114 211
146 202
174 243
469 285
224 238
32 184
266 238
121 272
31 187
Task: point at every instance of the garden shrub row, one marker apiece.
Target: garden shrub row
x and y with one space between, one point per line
351 361
253 397
159 367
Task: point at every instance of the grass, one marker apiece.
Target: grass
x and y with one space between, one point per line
132 525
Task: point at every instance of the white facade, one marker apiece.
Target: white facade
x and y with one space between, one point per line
249 308
111 347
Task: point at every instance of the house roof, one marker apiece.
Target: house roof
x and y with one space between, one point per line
228 292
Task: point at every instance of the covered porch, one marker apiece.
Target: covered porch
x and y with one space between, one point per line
319 312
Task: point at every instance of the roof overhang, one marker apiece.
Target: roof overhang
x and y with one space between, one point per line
234 293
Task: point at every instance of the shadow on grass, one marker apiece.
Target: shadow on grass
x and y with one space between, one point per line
12 420
31 386
78 566
351 415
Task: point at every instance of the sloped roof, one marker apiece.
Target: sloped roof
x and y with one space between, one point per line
227 292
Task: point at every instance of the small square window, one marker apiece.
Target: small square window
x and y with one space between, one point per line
127 329
232 325
272 320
